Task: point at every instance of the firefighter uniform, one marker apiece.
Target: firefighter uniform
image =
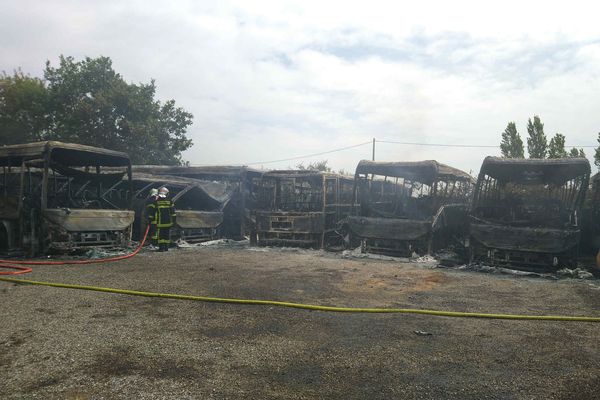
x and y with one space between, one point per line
161 212
151 216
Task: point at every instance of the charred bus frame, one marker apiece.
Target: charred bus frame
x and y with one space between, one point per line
591 220
56 197
199 215
300 208
408 207
526 212
236 206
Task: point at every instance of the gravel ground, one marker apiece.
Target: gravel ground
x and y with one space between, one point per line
73 344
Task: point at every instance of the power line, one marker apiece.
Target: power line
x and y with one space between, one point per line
311 155
436 144
460 145
390 142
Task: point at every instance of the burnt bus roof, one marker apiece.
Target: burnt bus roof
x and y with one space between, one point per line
212 190
532 170
208 172
67 154
216 192
170 179
421 171
303 173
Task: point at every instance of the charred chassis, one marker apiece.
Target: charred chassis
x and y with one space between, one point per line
58 197
408 207
525 212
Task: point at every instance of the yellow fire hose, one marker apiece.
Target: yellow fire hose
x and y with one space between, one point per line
310 306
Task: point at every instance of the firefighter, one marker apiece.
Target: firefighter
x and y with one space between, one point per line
164 215
151 215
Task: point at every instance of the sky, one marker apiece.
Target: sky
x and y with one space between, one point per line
273 80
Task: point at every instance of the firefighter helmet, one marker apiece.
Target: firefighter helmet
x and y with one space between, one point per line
163 192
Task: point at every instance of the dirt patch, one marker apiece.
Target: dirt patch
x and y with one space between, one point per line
44 383
401 283
120 361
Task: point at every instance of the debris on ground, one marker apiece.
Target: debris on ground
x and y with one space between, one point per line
284 249
594 287
218 242
449 258
423 333
357 253
502 270
97 252
578 273
424 259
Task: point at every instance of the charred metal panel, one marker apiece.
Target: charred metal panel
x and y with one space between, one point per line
310 222
535 240
385 228
290 229
90 220
188 219
198 226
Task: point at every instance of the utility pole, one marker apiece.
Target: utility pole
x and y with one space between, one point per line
373 149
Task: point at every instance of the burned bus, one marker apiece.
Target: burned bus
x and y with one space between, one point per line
526 212
591 218
408 207
300 208
230 185
54 197
199 205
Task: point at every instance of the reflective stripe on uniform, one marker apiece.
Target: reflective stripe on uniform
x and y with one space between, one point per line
165 213
151 210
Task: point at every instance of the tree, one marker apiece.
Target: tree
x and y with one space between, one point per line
556 148
536 142
23 108
511 145
315 166
597 152
578 153
88 102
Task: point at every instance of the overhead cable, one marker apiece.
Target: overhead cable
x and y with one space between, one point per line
458 145
312 155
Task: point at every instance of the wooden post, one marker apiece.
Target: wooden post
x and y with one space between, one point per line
373 158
